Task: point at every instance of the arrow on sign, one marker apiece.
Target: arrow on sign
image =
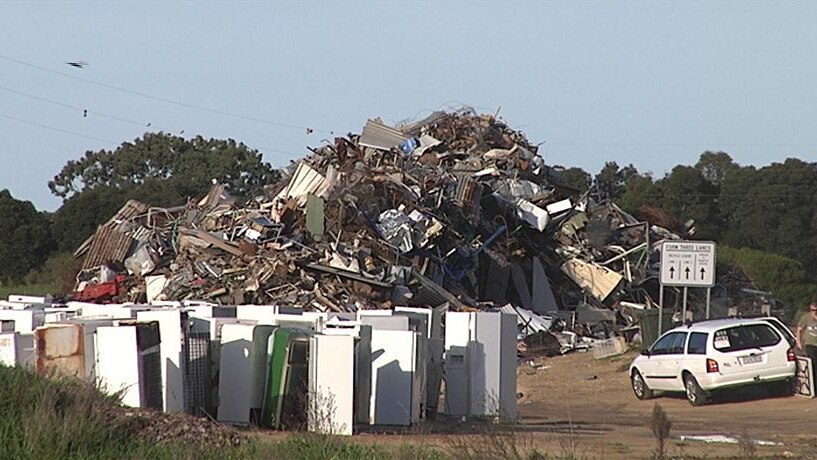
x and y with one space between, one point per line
703 271
672 272
686 272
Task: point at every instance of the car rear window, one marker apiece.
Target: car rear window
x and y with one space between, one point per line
745 337
697 343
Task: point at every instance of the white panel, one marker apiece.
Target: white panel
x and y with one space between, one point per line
8 349
331 384
25 321
507 369
242 371
393 367
386 323
362 313
458 337
117 364
261 313
413 312
485 363
171 323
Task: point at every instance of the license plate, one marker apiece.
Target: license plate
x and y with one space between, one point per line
752 359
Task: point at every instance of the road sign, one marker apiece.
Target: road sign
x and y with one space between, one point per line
688 263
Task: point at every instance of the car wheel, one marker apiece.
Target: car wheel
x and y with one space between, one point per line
695 394
640 388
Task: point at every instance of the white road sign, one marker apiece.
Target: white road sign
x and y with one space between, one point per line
688 263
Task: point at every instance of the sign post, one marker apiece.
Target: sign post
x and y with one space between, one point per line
687 264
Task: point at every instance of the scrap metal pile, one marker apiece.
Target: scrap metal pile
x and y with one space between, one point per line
455 208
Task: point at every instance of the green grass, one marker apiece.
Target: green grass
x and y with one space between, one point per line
36 289
58 418
42 418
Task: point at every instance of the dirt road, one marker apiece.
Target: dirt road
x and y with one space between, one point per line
588 406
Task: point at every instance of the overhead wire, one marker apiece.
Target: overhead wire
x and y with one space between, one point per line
54 128
307 129
84 110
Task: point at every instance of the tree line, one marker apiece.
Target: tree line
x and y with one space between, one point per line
763 219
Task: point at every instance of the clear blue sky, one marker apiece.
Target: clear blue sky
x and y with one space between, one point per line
648 83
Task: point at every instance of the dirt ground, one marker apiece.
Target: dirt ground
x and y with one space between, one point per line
589 405
575 406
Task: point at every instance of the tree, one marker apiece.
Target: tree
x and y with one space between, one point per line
714 166
159 169
609 184
686 194
25 238
773 209
79 216
173 167
577 178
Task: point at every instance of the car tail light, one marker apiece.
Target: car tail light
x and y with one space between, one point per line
790 356
711 365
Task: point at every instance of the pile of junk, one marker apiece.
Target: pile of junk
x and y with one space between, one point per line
456 208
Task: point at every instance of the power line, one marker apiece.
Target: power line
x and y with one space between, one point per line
81 109
54 128
163 99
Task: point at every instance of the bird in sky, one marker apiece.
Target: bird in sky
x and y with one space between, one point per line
77 64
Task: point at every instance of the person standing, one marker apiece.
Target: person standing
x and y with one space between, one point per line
806 335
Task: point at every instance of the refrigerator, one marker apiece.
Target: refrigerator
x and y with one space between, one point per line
285 398
480 364
173 328
242 372
331 384
396 386
128 360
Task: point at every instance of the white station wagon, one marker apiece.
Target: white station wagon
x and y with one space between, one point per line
703 357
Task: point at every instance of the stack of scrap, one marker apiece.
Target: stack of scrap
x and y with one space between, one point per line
455 208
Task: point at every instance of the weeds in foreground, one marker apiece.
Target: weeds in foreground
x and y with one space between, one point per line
746 445
56 418
660 425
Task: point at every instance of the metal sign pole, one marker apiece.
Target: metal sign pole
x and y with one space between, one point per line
660 308
708 297
684 314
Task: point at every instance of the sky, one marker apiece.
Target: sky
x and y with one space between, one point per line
648 83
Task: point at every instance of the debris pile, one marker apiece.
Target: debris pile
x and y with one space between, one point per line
154 426
456 208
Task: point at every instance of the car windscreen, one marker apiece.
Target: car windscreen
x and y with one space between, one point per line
745 337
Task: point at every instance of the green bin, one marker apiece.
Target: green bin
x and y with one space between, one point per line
649 325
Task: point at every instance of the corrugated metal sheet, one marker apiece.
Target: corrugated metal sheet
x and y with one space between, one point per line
131 209
305 180
379 136
109 243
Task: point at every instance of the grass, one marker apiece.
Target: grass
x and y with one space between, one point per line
34 289
49 418
57 418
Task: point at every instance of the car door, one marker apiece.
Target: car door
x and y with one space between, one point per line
661 368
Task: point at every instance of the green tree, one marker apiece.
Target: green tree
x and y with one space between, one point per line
25 238
772 209
714 166
577 178
171 167
612 181
159 169
79 216
686 194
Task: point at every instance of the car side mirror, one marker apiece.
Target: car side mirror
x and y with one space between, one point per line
645 352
